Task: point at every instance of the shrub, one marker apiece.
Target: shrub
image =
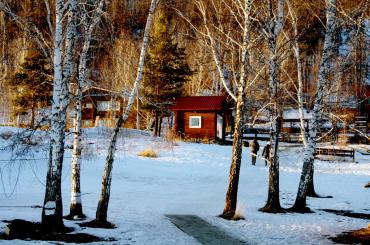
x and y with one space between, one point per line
148 153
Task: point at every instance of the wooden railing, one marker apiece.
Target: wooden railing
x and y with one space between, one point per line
335 152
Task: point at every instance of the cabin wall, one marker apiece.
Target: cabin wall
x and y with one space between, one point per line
208 125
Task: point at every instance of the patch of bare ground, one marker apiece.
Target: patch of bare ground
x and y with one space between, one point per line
361 236
26 230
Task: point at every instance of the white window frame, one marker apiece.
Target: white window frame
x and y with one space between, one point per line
195 126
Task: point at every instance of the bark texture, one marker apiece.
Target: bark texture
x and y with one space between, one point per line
52 212
76 201
308 162
297 56
232 189
275 27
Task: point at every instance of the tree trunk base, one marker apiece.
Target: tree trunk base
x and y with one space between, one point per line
98 224
229 216
272 209
72 216
75 213
51 224
300 209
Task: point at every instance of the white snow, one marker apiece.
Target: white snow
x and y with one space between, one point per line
50 208
188 178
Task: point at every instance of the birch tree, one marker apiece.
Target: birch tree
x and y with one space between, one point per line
102 209
272 30
52 211
297 55
232 189
308 160
240 41
89 25
62 59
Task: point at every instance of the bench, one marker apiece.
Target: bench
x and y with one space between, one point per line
335 152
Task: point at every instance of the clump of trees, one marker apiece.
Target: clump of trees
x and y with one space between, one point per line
31 85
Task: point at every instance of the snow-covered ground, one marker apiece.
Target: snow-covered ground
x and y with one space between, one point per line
188 178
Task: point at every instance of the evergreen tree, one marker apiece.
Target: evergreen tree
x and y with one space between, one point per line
32 85
166 71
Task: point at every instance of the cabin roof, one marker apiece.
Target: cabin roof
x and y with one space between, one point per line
200 103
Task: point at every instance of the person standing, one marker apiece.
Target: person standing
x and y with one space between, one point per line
266 152
254 146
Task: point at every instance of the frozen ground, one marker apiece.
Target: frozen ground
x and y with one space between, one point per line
188 178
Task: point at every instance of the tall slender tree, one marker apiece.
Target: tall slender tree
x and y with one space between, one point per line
89 26
272 30
102 209
241 41
232 189
166 70
323 74
52 211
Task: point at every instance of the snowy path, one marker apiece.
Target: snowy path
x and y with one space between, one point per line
204 232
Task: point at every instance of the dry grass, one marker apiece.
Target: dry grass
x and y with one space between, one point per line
361 236
172 138
148 153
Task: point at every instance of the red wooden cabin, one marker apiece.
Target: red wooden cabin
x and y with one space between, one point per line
202 117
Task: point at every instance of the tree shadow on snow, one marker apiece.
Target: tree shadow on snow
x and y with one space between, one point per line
26 230
348 213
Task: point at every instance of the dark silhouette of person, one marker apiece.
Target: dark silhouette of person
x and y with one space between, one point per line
254 146
266 152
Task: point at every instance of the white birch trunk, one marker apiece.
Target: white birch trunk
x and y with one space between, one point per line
297 55
308 161
275 27
76 202
232 190
52 212
102 209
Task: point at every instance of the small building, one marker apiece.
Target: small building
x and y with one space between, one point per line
202 117
100 107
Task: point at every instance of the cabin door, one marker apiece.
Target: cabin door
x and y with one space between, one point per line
180 123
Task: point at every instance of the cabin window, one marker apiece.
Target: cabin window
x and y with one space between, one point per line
103 105
195 122
88 106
